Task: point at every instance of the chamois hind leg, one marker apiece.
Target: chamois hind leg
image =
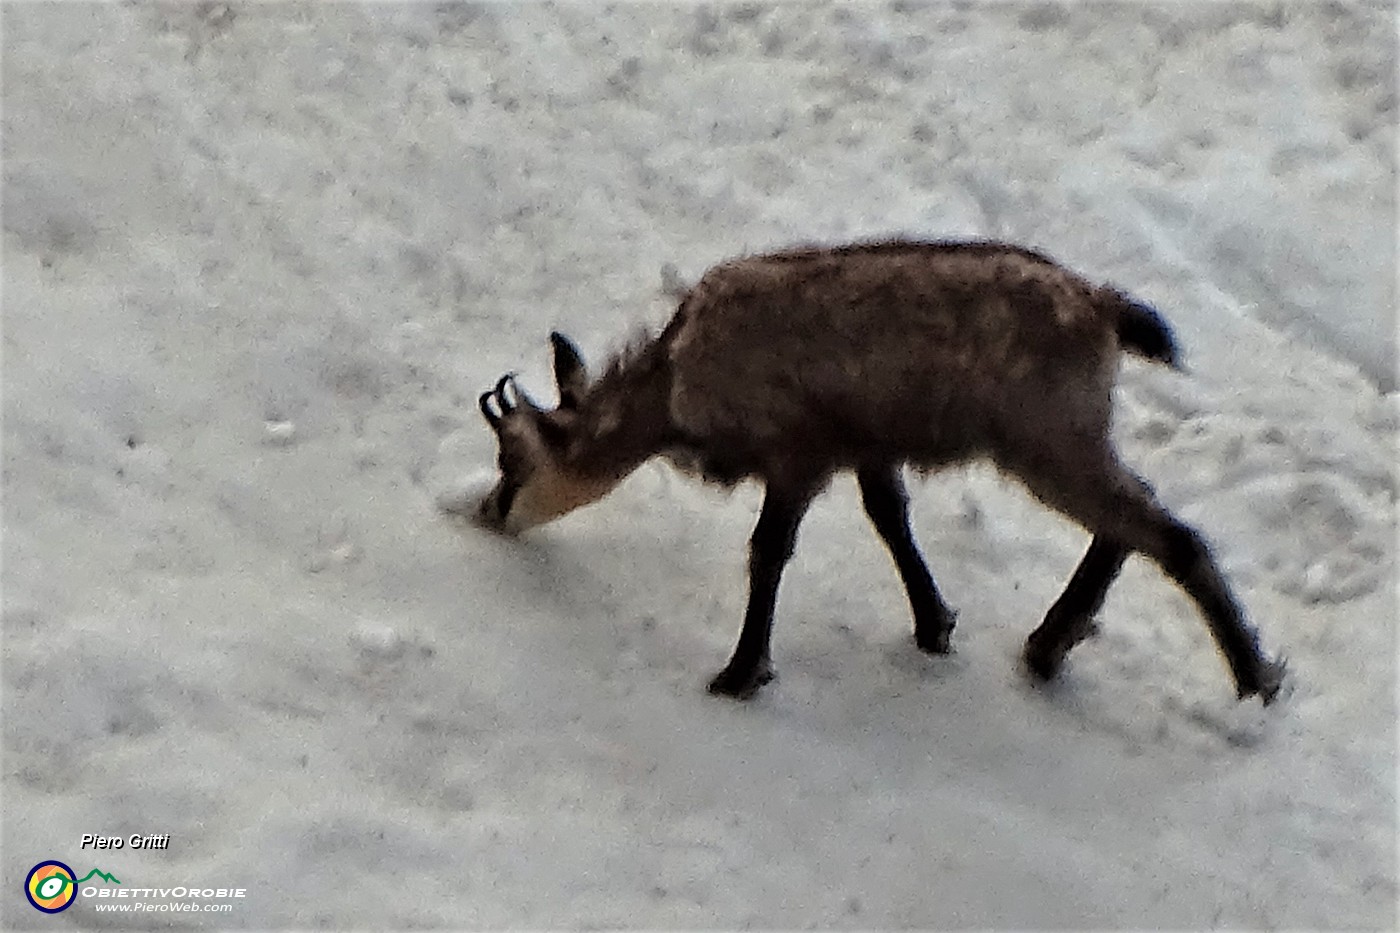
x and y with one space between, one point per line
1071 619
1098 491
887 504
770 547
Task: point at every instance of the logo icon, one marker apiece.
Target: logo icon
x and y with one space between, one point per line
51 887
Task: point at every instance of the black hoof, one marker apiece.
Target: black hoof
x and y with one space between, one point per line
935 637
1040 661
1267 680
740 684
933 643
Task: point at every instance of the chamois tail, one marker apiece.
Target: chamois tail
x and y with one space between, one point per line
1143 331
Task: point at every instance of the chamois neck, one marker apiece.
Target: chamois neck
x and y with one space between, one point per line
623 420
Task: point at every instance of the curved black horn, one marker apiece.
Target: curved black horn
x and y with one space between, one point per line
500 394
521 396
492 416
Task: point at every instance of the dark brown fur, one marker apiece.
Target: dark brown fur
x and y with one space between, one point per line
789 367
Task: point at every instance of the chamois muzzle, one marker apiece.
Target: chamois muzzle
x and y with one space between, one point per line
494 508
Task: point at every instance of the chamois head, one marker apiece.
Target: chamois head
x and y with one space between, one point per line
536 482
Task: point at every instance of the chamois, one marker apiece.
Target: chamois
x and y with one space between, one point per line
789 367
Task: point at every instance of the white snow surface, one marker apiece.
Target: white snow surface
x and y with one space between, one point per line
259 260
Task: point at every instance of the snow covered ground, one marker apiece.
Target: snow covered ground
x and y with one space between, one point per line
260 259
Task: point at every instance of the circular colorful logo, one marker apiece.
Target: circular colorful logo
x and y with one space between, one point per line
50 887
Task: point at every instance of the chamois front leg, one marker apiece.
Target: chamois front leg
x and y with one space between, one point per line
770 547
887 504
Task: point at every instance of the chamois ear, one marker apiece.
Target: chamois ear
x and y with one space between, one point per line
570 374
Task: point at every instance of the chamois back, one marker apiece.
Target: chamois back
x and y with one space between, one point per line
898 350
